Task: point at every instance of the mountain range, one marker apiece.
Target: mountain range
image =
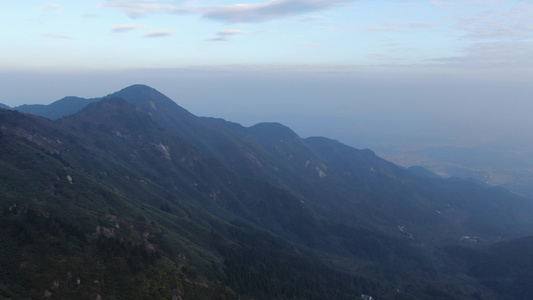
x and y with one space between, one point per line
130 196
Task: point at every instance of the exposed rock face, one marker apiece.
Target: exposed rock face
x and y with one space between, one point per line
164 149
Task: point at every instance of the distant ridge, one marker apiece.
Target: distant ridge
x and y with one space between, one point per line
3 106
146 98
58 109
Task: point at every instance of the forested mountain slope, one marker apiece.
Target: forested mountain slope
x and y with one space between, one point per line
133 197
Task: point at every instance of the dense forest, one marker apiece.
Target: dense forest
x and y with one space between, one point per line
132 197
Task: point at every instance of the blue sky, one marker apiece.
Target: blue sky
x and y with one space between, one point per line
121 34
345 69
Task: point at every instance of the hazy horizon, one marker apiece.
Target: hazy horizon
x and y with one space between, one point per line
335 103
392 76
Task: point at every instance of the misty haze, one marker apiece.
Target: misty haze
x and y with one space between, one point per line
330 149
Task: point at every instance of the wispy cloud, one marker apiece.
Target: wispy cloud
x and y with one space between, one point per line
58 36
124 27
500 54
463 3
238 13
493 33
266 11
49 6
136 9
223 35
159 33
500 24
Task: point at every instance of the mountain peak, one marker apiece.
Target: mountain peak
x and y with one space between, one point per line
138 88
148 99
273 130
161 108
143 96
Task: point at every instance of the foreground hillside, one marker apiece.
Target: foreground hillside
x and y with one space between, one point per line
133 197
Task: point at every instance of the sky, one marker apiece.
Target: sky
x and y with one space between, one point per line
359 71
121 34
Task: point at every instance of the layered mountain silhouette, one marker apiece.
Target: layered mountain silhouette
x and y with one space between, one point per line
130 196
58 109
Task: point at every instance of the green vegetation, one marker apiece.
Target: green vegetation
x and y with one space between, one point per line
147 201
